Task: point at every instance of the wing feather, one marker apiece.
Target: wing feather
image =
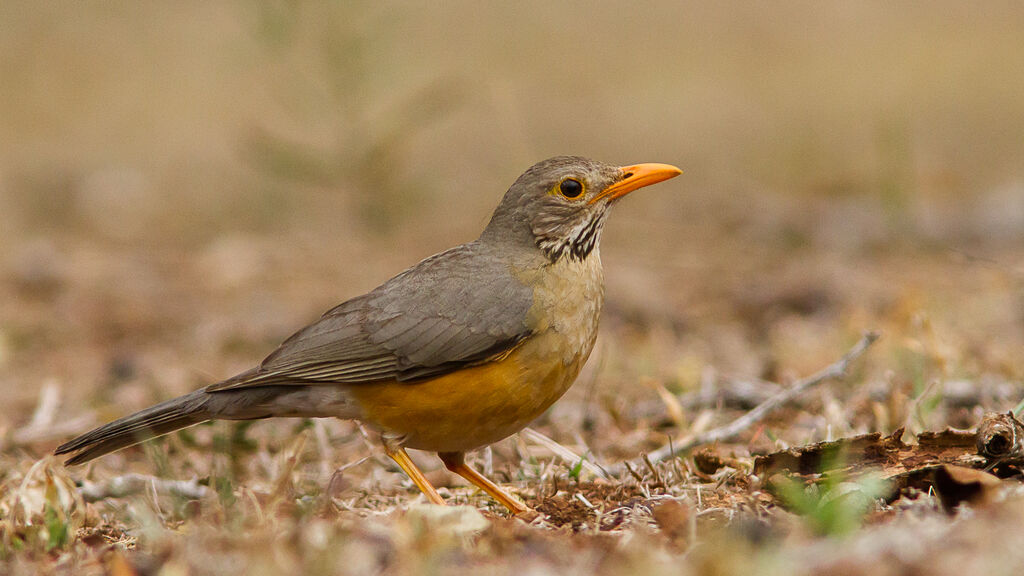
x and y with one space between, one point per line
454 309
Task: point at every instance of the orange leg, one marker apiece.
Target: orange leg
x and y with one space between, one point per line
456 462
398 454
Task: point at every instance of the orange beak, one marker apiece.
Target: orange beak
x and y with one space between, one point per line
635 177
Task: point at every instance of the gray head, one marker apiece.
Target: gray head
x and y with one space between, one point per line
559 205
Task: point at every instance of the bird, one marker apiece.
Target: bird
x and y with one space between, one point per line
459 351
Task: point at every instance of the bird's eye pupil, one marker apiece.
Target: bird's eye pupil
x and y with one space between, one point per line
570 188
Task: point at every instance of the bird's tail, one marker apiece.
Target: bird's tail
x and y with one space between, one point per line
153 421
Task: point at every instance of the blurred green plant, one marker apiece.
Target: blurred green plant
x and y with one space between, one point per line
896 174
368 129
835 505
58 529
39 512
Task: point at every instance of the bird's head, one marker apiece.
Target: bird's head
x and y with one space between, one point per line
560 204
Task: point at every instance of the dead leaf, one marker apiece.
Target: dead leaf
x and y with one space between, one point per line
957 485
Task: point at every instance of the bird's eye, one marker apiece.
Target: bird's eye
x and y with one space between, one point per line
570 188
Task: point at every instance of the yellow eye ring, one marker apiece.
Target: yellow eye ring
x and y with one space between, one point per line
570 188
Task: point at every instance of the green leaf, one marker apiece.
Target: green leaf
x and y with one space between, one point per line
574 473
58 533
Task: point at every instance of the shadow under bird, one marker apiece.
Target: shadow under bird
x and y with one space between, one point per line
457 352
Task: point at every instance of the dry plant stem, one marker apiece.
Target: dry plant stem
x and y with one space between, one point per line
654 471
568 456
636 475
914 411
43 426
130 484
732 429
291 458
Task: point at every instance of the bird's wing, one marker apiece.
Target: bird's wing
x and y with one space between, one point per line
457 308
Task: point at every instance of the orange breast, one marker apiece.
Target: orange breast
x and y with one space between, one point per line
475 406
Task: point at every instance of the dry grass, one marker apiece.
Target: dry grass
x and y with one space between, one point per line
182 186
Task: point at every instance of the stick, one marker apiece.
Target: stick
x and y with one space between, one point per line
43 427
130 484
834 371
568 456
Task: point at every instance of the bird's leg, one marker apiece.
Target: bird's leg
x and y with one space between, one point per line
456 462
398 454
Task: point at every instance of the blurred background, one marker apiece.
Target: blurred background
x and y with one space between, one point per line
184 184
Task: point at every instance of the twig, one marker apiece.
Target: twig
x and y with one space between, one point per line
731 430
636 475
46 408
672 405
914 410
323 444
568 456
579 496
130 484
43 426
650 466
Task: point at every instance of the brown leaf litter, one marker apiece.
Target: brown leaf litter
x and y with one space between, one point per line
959 465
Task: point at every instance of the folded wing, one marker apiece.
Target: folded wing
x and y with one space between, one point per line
458 308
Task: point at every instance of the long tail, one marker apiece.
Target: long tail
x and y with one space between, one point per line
153 421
